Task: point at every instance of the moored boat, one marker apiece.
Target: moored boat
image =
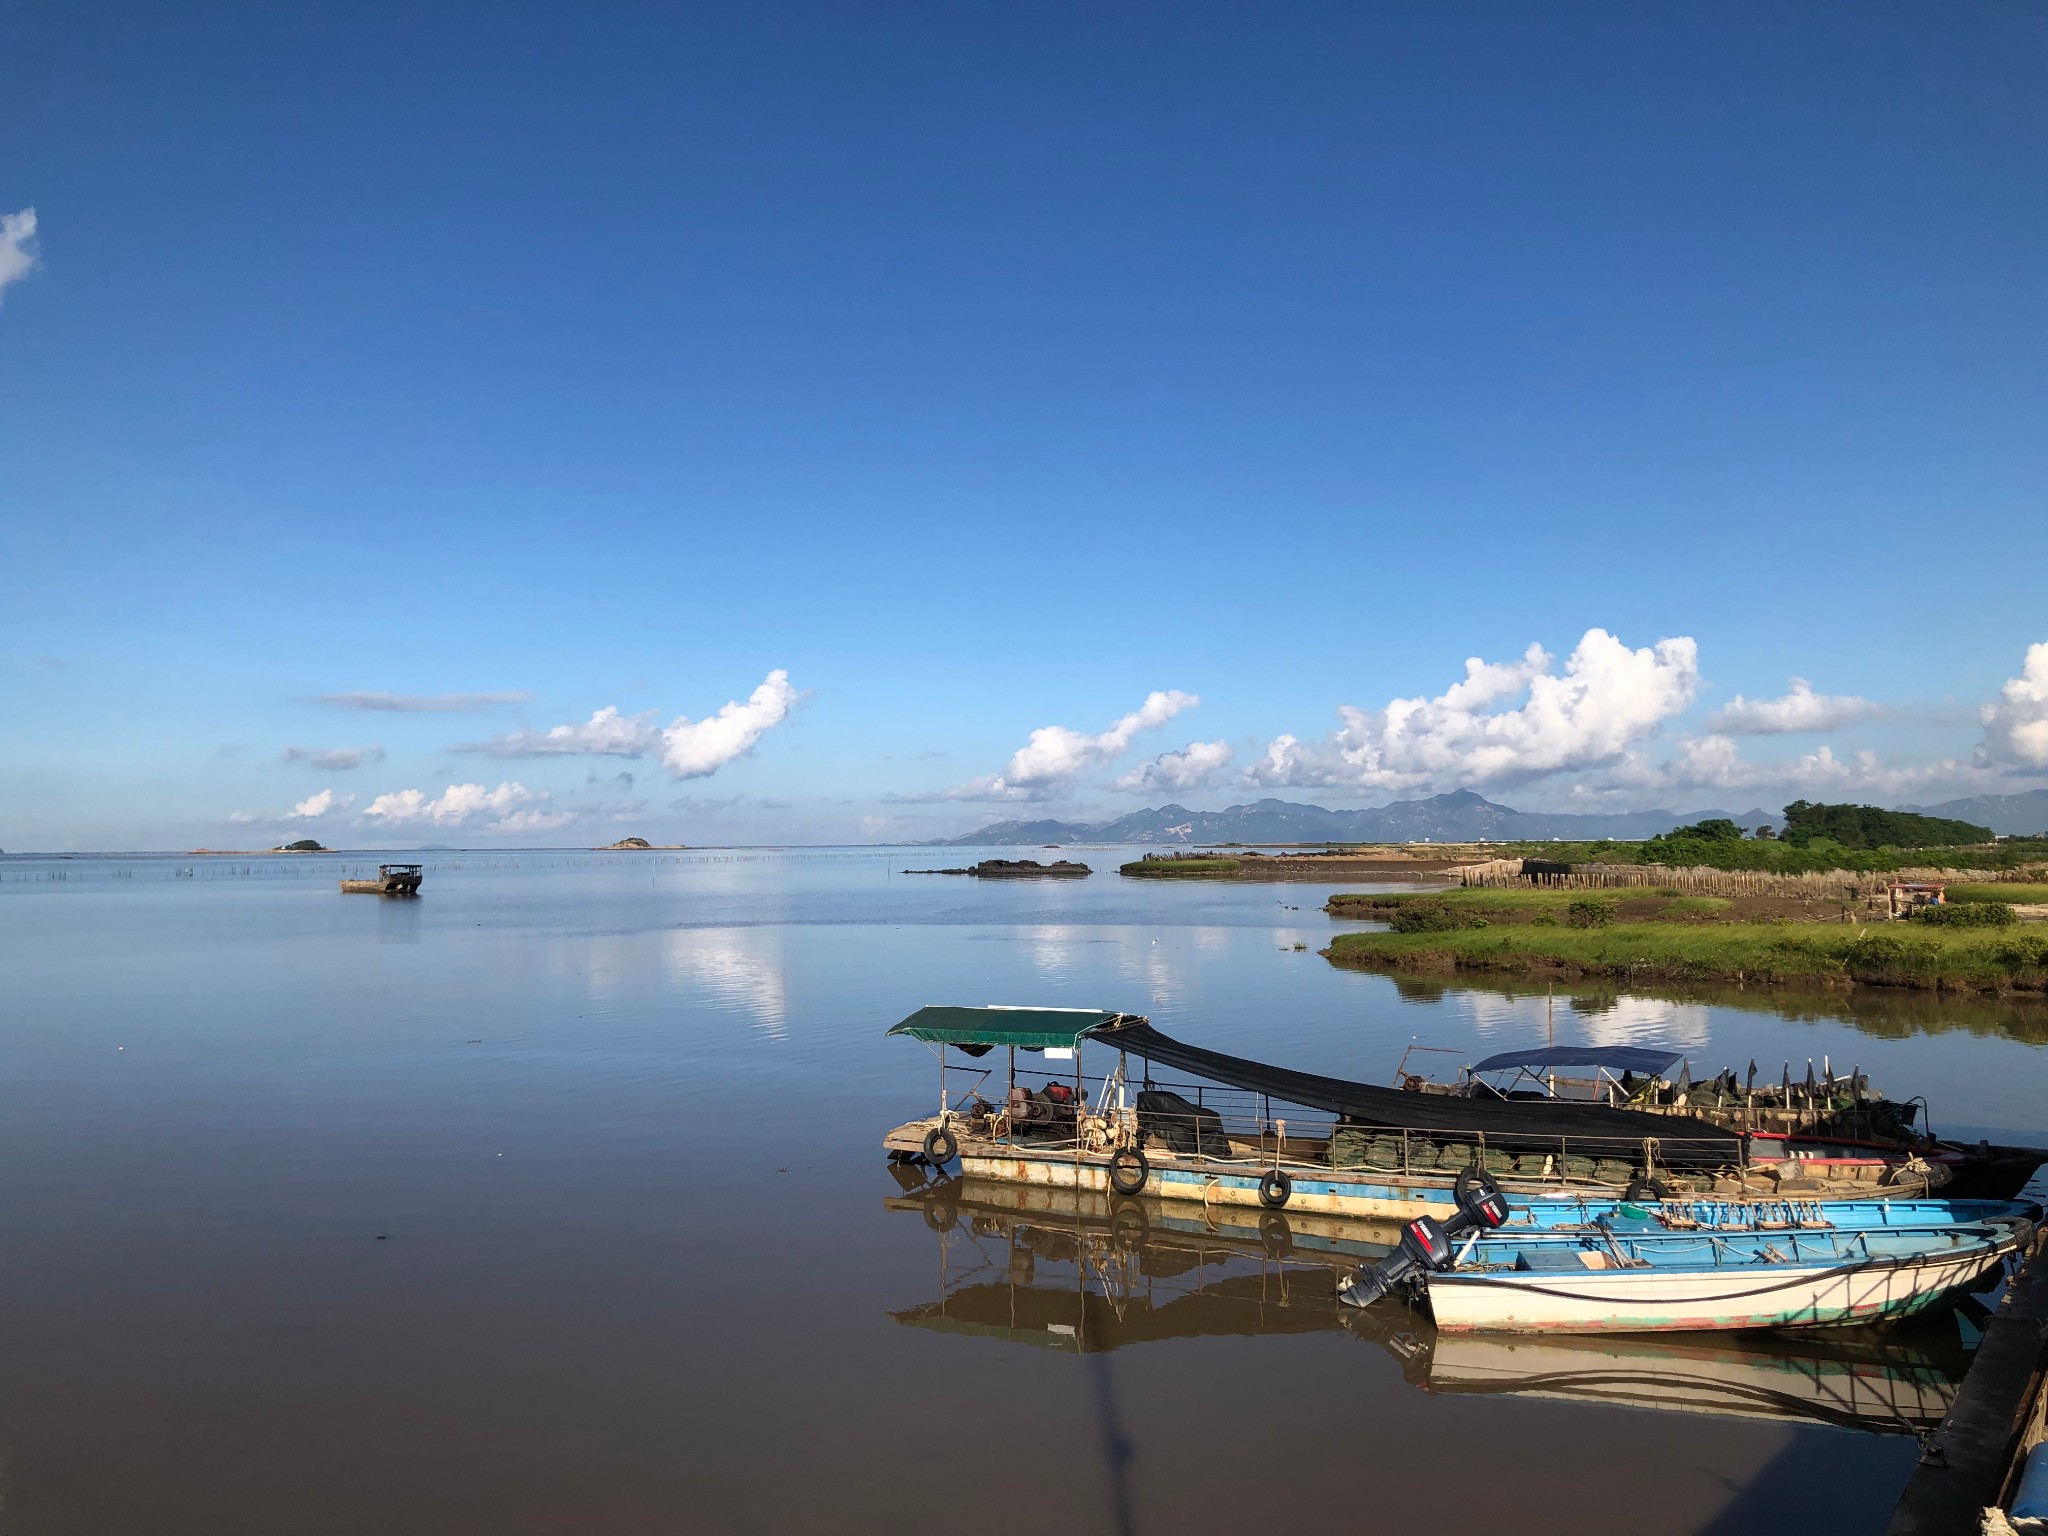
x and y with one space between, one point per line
1248 1134
1604 1281
1822 1122
392 880
1078 1273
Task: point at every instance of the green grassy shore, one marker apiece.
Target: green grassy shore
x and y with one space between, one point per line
1182 869
1664 938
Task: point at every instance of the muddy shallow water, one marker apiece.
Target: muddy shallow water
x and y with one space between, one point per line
554 1201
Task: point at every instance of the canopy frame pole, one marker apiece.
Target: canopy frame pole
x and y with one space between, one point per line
1080 1104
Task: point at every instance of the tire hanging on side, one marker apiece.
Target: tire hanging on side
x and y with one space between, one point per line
1128 1170
1275 1189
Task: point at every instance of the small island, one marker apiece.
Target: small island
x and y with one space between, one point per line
638 845
303 845
1015 869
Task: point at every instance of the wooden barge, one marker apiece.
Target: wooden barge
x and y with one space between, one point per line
1359 1152
392 880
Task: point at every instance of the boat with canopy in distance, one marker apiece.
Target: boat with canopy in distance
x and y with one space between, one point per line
392 880
1246 1133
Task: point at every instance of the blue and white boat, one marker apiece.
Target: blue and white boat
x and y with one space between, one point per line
1608 1279
1650 1217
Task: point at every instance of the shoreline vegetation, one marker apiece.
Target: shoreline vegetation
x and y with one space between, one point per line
1015 869
1420 861
1541 934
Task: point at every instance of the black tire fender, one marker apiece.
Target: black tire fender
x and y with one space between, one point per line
1128 1170
939 1146
1275 1189
1646 1188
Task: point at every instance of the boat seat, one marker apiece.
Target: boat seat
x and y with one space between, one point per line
1551 1258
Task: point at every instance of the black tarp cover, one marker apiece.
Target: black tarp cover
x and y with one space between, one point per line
1532 1125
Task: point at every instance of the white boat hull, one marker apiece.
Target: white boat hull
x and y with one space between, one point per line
1662 1300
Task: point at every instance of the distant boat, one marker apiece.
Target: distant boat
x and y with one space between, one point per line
392 880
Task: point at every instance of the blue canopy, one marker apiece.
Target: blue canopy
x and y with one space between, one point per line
1617 1058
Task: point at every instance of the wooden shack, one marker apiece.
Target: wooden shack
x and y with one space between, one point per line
1905 897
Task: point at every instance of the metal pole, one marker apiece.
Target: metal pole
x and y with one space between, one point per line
1080 1099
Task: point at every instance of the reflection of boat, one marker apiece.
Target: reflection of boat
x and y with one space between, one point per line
1353 1149
1079 1273
1901 1380
392 880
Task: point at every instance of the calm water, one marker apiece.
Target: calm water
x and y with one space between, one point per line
554 1201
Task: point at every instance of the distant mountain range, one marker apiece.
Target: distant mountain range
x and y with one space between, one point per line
2007 815
1455 818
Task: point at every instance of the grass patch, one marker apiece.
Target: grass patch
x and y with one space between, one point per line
1829 955
2013 892
1783 858
1473 900
1182 869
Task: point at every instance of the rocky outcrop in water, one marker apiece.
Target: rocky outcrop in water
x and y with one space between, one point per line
1015 869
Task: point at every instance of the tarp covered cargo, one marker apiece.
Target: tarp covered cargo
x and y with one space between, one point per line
1515 1125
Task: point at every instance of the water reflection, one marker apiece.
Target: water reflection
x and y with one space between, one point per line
739 968
1610 1019
1082 1274
1682 1014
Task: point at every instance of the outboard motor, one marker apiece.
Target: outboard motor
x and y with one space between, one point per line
1426 1242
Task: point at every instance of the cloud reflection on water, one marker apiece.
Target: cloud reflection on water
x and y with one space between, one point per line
1621 1020
741 970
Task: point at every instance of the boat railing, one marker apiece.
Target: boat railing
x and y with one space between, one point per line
1266 1132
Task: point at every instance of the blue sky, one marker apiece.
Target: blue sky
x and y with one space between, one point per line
985 370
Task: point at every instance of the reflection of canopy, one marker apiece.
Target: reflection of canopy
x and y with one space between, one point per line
1513 1124
1029 1029
1618 1058
1085 1321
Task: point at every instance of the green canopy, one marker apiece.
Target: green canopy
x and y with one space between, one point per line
1031 1029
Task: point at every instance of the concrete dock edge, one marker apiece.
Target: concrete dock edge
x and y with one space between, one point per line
1964 1463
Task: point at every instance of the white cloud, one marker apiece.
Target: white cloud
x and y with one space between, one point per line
2016 727
1608 699
694 749
605 734
535 821
1056 755
17 247
425 704
689 749
1194 766
242 818
313 807
338 759
1717 763
458 805
1801 709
